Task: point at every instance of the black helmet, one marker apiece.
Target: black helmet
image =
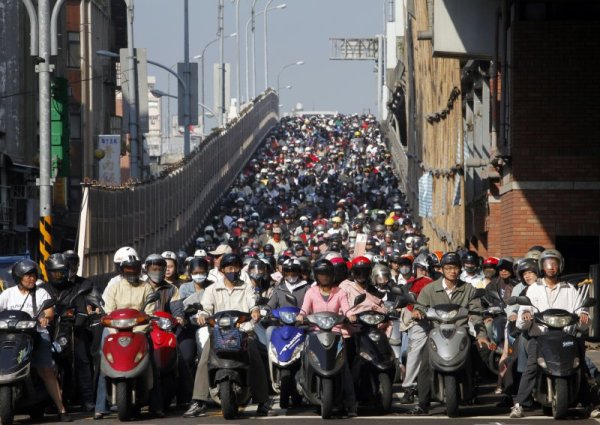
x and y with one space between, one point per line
23 267
72 260
196 263
57 269
155 260
452 258
323 267
527 264
471 257
269 248
230 260
292 265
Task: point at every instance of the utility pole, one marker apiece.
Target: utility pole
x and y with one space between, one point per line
266 58
134 154
222 60
186 78
43 69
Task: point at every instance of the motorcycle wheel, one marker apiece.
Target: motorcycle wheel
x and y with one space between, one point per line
228 403
451 392
7 410
560 402
124 407
326 398
285 388
385 392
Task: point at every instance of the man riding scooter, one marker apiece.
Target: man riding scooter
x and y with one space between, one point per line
448 289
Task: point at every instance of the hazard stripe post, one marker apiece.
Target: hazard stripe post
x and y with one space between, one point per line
45 242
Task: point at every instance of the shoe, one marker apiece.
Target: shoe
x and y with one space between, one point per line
99 415
352 413
64 417
418 411
114 408
595 413
498 390
516 412
409 396
196 409
264 409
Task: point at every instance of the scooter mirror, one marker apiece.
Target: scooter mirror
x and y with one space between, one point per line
589 302
480 293
359 299
397 290
519 300
291 299
46 305
406 299
193 308
151 298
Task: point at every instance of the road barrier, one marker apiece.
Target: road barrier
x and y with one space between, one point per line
168 212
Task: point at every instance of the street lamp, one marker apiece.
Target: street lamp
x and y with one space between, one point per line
201 56
284 68
252 19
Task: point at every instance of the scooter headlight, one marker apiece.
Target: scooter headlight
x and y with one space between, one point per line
371 319
62 341
26 324
3 324
323 322
575 362
164 323
374 336
556 321
227 321
287 317
366 356
542 362
446 315
433 345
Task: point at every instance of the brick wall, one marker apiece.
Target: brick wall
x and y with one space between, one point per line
554 137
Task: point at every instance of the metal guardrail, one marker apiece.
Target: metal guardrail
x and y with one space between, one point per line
168 212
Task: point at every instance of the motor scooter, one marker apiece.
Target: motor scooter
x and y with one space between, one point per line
165 354
374 367
285 350
560 357
229 361
494 318
320 378
20 390
125 360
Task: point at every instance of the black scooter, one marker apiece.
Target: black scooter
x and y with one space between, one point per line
374 367
559 359
20 390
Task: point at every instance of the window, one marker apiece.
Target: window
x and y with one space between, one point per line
73 50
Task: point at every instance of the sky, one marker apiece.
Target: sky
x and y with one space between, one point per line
299 32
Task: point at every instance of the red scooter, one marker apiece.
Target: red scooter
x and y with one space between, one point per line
165 354
125 359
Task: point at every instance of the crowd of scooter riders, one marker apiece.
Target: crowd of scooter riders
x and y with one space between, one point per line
310 281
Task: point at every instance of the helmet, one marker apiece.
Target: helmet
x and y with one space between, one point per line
269 248
395 257
230 260
451 258
422 261
197 262
534 253
361 262
57 269
323 267
72 259
169 255
132 261
506 263
470 257
156 260
23 267
123 253
292 265
380 228
389 221
381 274
552 253
527 264
490 263
434 259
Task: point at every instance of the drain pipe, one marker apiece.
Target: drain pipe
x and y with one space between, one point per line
427 34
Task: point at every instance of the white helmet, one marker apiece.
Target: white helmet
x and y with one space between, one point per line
169 255
200 253
124 253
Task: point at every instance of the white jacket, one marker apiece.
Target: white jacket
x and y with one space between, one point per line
565 300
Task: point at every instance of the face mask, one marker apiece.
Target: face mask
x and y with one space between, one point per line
232 276
257 277
404 270
157 277
198 278
489 273
291 279
470 269
132 278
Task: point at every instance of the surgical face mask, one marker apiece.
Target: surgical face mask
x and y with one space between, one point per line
132 278
256 276
404 270
291 279
232 276
157 276
469 268
198 278
489 273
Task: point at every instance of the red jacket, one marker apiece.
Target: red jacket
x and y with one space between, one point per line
415 285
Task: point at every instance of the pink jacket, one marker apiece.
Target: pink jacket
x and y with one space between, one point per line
371 302
336 303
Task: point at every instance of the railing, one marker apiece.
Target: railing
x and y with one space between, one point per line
167 213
